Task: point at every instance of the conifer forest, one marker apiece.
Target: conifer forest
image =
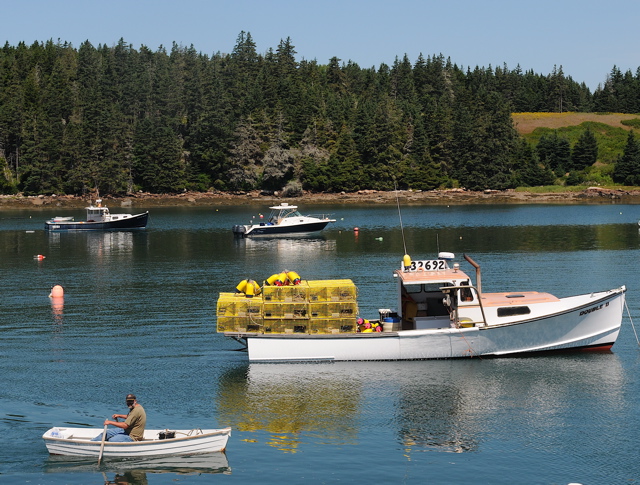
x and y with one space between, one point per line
120 119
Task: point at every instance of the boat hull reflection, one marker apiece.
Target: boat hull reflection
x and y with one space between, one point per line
443 406
186 464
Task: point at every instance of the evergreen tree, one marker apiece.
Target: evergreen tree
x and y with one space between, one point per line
585 151
627 168
555 152
531 172
118 119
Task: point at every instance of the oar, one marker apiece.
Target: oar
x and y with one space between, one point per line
104 438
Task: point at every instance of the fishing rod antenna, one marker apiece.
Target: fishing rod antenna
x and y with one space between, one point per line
404 243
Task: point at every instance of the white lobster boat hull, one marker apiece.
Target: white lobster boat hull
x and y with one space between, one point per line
77 442
585 322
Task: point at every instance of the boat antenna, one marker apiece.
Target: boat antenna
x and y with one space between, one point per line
404 243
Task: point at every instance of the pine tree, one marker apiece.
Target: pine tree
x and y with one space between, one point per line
627 168
585 151
555 152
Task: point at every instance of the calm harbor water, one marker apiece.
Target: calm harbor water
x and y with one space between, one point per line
139 316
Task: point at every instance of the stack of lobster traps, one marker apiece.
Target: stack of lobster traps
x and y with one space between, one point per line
313 307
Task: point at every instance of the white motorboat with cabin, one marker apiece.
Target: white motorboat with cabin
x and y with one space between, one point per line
98 218
78 442
284 219
440 315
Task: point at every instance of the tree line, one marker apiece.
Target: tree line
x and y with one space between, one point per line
121 120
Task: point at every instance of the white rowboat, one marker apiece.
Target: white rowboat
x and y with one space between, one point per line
77 442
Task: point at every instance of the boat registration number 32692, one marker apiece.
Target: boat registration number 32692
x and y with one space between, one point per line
427 265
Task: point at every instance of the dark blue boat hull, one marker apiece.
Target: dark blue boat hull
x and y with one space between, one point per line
271 230
135 222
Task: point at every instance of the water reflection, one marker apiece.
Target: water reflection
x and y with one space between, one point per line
110 242
136 471
97 242
290 401
451 406
296 245
444 406
57 307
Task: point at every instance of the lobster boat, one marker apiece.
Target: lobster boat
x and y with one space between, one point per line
284 219
98 218
440 314
78 442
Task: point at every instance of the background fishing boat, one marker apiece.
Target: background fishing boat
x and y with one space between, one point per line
284 219
98 218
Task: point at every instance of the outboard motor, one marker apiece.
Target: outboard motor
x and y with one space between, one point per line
239 230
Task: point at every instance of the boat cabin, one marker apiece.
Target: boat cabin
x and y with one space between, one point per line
430 293
98 213
282 211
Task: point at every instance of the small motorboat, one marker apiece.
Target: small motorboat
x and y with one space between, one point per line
98 218
440 315
284 219
77 442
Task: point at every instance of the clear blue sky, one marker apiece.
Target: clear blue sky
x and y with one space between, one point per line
586 37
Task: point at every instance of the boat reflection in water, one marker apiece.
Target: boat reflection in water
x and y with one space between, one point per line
99 243
290 402
134 470
427 406
290 244
293 253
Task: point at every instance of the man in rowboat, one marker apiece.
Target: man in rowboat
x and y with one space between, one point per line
132 429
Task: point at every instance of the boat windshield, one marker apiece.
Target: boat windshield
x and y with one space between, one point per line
279 214
96 211
290 213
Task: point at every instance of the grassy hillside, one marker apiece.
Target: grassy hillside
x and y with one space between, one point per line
527 122
610 129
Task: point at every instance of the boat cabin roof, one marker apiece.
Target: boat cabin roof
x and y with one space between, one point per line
98 207
420 273
284 206
97 210
419 277
517 298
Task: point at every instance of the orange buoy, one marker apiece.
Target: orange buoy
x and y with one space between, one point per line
57 292
356 229
39 257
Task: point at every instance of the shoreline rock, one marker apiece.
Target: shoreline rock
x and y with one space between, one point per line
434 197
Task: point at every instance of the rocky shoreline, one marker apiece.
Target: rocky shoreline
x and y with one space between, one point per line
435 197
